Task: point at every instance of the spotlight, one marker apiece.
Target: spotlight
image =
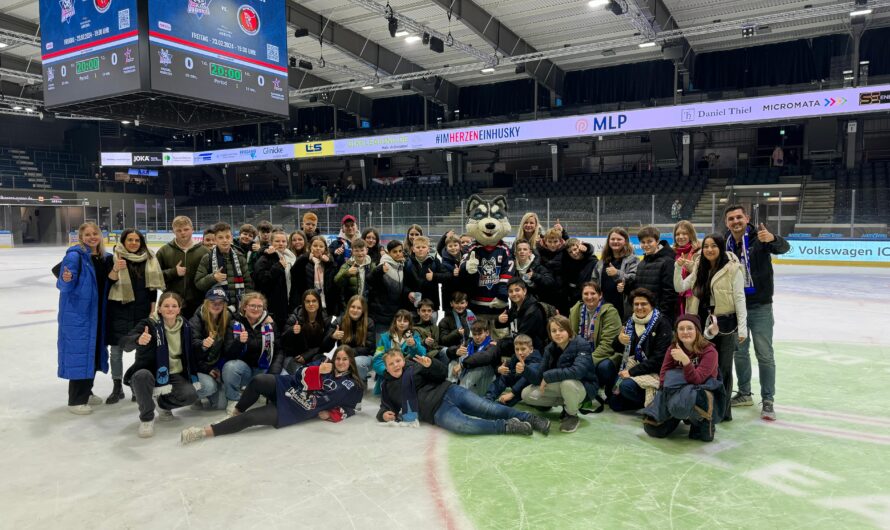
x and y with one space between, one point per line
860 12
292 62
425 38
412 38
393 27
3 45
748 32
401 33
29 109
597 3
487 70
305 65
367 87
649 44
301 32
437 45
17 108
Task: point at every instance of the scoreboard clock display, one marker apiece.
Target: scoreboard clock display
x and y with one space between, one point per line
89 49
221 51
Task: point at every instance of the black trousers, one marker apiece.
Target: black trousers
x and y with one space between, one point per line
79 391
261 385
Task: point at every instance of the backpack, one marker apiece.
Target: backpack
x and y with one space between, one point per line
549 310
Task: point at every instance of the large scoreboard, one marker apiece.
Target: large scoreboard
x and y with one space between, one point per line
89 48
190 64
223 51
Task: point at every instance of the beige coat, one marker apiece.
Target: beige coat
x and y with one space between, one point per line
727 290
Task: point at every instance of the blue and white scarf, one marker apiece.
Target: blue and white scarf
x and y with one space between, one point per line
588 322
458 323
639 354
745 258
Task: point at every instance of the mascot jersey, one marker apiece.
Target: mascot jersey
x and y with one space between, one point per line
488 287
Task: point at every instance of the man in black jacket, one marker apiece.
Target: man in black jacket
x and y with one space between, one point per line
525 316
656 272
754 248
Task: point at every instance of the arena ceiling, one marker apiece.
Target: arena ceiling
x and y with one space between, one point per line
557 36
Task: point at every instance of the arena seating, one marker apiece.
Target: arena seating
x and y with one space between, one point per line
871 181
213 198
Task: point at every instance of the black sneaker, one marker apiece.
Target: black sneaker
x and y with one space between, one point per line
542 425
569 423
517 426
768 412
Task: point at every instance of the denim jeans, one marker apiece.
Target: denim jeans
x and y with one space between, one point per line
631 396
117 361
212 390
760 330
606 375
463 412
235 376
363 363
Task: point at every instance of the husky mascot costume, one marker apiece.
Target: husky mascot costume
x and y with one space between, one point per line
488 264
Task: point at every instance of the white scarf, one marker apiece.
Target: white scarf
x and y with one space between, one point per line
396 270
318 279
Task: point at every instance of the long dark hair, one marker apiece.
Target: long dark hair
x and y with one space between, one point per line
702 287
353 369
142 246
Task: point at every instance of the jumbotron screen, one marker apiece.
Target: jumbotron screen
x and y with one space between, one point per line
89 48
222 51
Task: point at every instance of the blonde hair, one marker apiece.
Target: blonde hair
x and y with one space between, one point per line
421 239
181 220
533 239
251 296
100 248
216 326
689 228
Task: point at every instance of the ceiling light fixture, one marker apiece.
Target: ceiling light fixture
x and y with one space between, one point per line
3 45
597 3
860 12
649 44
367 87
16 108
487 70
402 33
125 122
29 109
412 38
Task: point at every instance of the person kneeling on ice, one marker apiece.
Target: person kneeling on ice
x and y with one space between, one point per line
511 381
329 391
690 386
418 391
566 376
163 366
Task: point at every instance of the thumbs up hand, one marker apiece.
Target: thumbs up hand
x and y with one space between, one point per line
338 334
180 270
66 275
503 369
472 263
503 318
764 235
145 338
429 275
220 275
119 265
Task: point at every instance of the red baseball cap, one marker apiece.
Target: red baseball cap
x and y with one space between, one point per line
346 218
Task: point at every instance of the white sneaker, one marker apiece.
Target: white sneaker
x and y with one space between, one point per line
192 434
95 400
80 410
165 415
201 404
146 429
230 408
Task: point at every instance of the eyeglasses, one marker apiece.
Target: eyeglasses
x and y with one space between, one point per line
255 307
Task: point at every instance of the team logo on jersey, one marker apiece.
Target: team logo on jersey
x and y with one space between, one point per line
101 5
67 9
489 272
249 20
329 385
199 7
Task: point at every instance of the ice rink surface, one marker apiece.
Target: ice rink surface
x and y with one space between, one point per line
824 464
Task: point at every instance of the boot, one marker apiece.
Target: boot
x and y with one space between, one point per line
117 393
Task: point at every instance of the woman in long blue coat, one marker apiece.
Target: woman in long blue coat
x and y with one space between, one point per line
83 284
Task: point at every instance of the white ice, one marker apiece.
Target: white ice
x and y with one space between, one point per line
65 471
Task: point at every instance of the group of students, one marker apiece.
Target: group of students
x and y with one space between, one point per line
303 326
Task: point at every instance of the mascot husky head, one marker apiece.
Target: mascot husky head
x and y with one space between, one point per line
487 220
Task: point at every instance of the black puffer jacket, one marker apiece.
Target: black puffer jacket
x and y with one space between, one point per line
656 273
123 317
361 349
528 319
429 383
211 358
303 278
386 295
307 343
269 278
573 273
